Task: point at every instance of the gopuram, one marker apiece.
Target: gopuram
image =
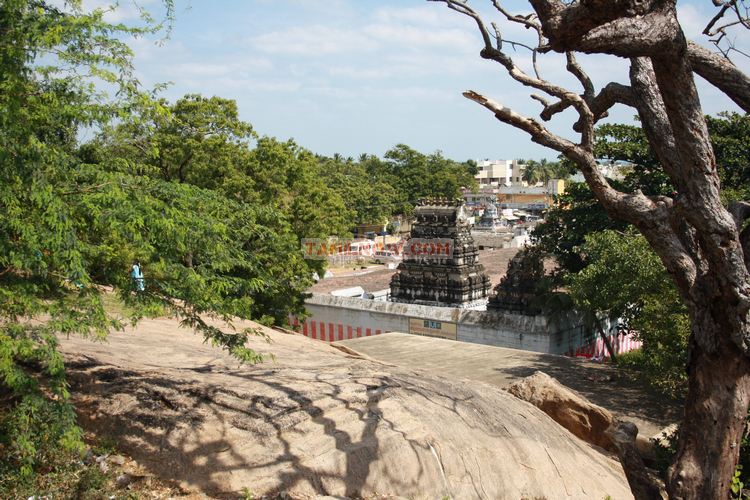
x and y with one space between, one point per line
440 266
489 220
518 288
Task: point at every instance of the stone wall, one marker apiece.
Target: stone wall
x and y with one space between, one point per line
339 318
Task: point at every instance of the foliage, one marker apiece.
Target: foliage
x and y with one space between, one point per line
64 476
578 213
627 143
363 187
74 219
570 229
211 253
42 265
377 189
420 176
624 279
201 141
730 134
542 171
565 226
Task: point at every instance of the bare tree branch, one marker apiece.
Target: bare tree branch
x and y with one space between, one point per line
721 73
718 27
492 53
576 70
702 246
528 21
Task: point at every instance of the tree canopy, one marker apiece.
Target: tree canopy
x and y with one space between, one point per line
75 219
377 189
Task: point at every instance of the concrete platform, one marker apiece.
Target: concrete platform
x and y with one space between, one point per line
600 383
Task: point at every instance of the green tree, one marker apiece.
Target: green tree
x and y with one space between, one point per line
576 215
201 141
363 187
579 213
42 265
74 218
730 137
377 189
420 176
624 279
196 140
287 176
542 171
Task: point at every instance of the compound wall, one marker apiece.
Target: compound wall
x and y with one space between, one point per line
339 318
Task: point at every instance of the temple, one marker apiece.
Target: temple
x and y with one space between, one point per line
518 289
489 221
440 266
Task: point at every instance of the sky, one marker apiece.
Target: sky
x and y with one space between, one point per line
360 76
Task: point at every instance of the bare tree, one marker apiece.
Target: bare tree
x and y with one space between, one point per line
700 242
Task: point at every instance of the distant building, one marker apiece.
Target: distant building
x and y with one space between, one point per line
368 230
532 198
615 170
517 196
490 221
499 172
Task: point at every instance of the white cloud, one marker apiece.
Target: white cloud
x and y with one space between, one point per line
428 15
312 41
408 37
218 69
300 67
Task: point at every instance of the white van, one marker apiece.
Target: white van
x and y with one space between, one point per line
385 256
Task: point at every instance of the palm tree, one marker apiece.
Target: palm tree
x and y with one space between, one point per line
546 171
542 171
530 173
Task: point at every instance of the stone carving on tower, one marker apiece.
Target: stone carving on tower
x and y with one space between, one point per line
440 266
519 288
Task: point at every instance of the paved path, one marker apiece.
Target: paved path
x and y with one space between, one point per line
602 384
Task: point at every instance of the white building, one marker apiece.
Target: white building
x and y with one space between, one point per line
610 169
499 172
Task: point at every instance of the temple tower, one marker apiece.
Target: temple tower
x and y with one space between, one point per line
518 289
490 221
440 266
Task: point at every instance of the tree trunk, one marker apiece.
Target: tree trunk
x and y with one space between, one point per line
715 412
607 343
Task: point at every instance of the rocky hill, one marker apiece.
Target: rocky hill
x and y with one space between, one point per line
317 421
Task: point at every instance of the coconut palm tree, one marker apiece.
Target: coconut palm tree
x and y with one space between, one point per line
530 173
538 171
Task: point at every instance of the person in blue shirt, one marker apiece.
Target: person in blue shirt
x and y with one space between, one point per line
137 276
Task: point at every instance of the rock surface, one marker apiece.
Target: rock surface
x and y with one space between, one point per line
317 421
566 407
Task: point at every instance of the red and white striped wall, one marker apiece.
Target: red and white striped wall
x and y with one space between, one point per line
330 332
596 349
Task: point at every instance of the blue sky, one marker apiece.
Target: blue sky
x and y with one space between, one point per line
360 76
